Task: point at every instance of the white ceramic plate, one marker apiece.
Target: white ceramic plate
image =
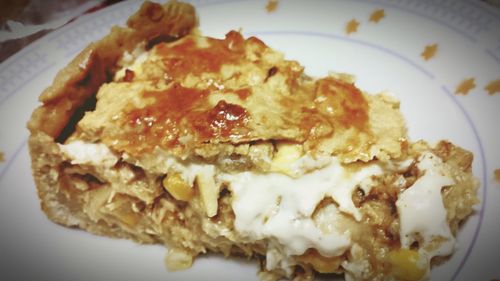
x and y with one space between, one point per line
384 56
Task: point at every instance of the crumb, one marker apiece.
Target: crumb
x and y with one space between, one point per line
377 15
2 157
352 26
493 87
497 175
465 86
429 51
271 6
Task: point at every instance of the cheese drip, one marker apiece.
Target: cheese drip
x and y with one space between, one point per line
277 206
422 212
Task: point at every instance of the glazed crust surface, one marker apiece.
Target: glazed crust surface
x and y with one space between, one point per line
73 91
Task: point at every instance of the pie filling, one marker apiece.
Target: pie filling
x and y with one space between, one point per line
222 145
315 210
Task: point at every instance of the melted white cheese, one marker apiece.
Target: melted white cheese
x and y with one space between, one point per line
96 154
422 212
277 206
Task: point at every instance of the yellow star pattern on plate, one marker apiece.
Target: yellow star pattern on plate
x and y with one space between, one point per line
377 15
352 26
429 51
493 87
465 86
497 175
271 6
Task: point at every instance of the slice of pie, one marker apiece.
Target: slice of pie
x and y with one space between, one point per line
158 134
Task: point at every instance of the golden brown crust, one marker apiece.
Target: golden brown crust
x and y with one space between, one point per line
95 64
76 85
71 87
198 93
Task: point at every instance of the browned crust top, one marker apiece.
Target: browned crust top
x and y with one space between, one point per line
81 79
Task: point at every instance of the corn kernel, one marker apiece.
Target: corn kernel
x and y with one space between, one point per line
407 265
209 192
177 187
320 263
177 259
129 217
286 154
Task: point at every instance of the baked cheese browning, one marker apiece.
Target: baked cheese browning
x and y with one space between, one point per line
237 91
165 112
342 103
160 121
